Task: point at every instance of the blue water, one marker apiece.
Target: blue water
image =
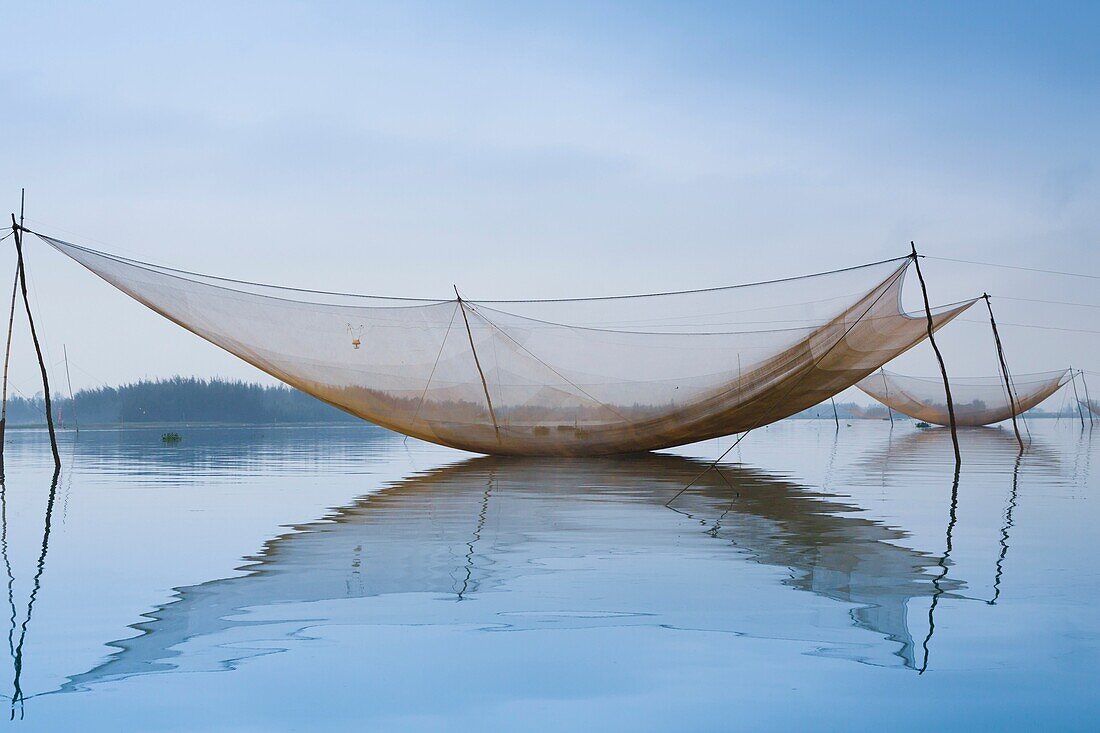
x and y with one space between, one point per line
339 578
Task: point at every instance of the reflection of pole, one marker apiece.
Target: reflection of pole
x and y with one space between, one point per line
476 538
944 563
1004 531
939 357
17 662
1004 371
7 564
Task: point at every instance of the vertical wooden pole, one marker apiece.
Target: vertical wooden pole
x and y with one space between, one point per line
1004 371
939 356
836 418
886 387
34 337
1077 399
1088 400
477 363
7 360
69 382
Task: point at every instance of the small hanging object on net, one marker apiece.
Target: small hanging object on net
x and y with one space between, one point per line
567 376
356 333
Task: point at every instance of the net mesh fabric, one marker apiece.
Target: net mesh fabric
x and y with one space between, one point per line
977 400
551 377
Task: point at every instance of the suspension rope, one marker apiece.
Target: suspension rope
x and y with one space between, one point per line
1036 325
1048 302
1015 267
55 242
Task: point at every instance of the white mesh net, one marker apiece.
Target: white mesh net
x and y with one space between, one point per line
551 377
977 400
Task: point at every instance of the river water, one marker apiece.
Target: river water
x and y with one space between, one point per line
340 578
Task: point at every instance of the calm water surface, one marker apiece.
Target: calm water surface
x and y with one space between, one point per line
339 578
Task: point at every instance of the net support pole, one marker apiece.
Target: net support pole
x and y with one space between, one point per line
1088 400
7 360
836 418
1004 370
1077 399
18 228
886 386
477 363
69 382
939 356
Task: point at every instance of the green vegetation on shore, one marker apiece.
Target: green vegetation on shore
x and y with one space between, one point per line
178 400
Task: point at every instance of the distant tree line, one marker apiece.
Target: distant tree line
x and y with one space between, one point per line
176 400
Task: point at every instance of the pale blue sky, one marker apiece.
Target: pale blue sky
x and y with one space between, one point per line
557 149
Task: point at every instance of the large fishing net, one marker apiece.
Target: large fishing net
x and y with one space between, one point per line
977 400
551 377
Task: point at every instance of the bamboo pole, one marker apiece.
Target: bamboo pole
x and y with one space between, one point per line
1004 371
34 337
477 363
1077 397
939 356
1088 400
7 360
69 382
836 418
886 387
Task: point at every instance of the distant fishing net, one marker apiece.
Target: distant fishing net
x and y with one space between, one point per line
977 401
551 377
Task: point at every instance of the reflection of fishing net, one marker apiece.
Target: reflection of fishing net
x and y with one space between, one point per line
556 377
468 527
978 400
